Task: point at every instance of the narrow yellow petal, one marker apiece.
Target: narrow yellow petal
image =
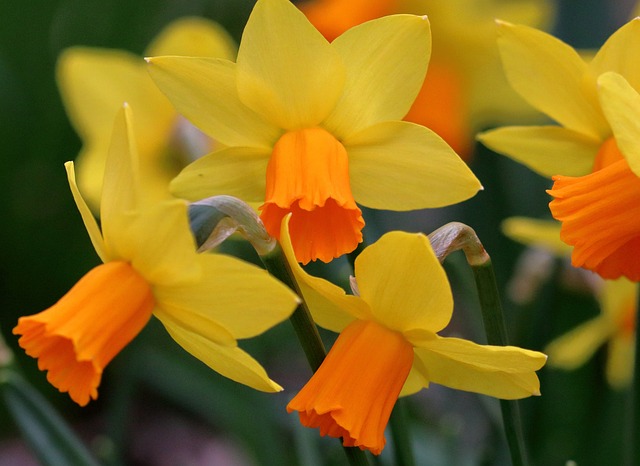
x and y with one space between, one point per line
620 362
120 188
621 105
387 273
550 75
536 232
242 298
330 306
87 217
403 166
193 37
574 348
235 171
386 61
229 361
204 91
287 72
618 54
547 150
616 296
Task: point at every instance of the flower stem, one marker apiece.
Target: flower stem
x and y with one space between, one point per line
400 434
276 264
632 446
458 236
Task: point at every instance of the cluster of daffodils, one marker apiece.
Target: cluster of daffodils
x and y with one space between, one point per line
306 126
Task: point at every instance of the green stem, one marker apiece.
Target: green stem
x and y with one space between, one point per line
398 422
276 263
632 432
457 236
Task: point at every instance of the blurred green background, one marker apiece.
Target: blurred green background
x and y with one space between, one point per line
158 406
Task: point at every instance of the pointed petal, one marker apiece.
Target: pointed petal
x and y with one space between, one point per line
235 171
229 361
193 37
550 75
287 72
621 105
403 166
120 188
387 274
574 348
547 150
204 91
241 297
536 232
504 372
618 54
386 61
87 217
330 306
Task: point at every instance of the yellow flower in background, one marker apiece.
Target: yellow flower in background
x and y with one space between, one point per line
615 326
593 154
94 82
206 302
312 128
388 343
453 100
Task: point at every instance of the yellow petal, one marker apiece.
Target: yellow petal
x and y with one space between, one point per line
416 380
549 74
620 362
330 306
403 166
547 150
287 72
621 105
159 244
87 217
204 91
618 54
386 61
535 232
504 372
193 37
229 361
616 296
575 347
387 273
120 188
241 297
234 171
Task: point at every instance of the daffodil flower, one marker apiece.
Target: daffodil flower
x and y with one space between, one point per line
593 155
615 326
389 343
150 267
94 82
453 100
312 127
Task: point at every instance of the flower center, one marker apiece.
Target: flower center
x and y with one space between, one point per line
308 175
77 337
354 390
599 214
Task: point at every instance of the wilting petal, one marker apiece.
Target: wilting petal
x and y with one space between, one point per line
229 361
404 166
287 72
550 75
238 296
204 91
547 150
330 306
387 53
387 272
234 171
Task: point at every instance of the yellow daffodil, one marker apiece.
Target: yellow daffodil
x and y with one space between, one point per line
312 127
94 82
453 100
615 325
594 153
388 343
150 266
